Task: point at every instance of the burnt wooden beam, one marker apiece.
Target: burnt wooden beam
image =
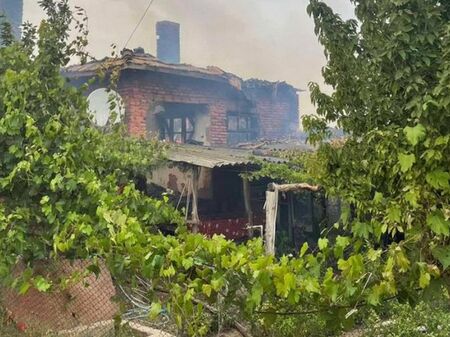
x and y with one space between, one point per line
195 218
293 187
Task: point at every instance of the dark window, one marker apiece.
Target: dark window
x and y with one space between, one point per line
177 129
242 128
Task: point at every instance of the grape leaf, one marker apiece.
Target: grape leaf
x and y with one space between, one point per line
406 161
415 134
438 224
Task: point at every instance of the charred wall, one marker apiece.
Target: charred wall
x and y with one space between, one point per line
143 92
277 107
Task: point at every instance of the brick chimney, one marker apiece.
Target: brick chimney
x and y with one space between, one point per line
168 41
13 11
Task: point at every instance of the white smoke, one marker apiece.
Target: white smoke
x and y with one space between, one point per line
267 39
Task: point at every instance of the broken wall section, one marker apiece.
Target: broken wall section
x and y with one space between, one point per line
147 95
277 108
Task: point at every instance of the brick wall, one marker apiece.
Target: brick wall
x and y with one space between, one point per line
277 108
85 303
217 132
273 118
142 91
276 105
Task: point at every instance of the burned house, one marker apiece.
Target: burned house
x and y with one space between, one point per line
210 184
181 103
207 113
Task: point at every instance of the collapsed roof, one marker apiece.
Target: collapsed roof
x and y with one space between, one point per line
139 60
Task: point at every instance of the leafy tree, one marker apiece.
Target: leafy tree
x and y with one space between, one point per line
59 175
390 71
59 180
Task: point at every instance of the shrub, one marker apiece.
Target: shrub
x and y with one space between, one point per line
404 320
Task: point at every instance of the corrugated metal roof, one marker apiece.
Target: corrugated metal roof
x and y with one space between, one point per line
212 157
277 145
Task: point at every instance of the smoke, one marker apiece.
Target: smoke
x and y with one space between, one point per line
266 39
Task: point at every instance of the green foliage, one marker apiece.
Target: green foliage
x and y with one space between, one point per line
6 34
294 326
390 71
60 177
64 185
402 320
298 167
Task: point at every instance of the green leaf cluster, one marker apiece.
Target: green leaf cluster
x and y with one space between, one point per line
65 186
389 69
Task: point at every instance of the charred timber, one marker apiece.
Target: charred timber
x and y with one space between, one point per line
293 187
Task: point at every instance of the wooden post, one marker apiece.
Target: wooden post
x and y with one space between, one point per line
195 217
271 207
248 205
188 195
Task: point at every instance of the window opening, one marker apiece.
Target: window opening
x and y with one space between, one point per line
241 128
177 129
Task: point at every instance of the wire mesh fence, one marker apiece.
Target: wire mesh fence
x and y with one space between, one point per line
86 304
82 305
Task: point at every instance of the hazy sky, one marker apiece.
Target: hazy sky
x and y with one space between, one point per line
266 39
